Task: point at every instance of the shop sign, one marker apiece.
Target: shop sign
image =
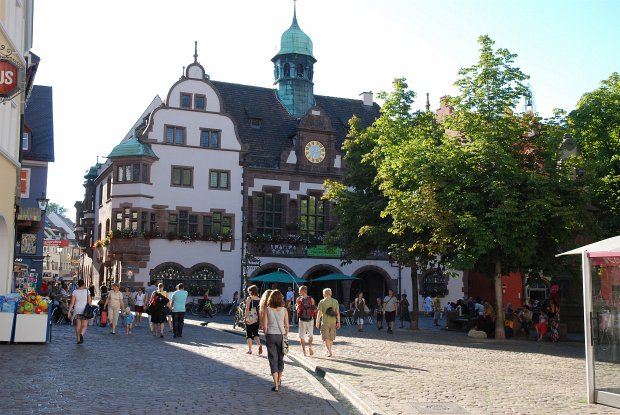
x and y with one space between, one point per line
324 251
56 242
10 75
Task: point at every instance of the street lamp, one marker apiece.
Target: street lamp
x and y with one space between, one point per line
294 291
42 202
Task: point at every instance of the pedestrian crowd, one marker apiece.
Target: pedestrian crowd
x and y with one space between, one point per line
128 307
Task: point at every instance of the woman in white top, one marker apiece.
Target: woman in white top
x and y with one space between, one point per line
79 299
139 298
275 327
115 303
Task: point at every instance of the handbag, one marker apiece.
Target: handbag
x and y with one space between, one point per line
89 312
366 309
252 317
284 338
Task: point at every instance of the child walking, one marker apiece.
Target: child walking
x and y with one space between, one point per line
128 318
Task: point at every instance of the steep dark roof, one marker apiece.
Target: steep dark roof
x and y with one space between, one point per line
243 102
39 117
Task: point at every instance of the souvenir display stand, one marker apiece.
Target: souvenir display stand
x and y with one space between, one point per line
32 328
7 325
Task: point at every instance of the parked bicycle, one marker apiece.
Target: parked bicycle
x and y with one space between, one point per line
239 315
203 308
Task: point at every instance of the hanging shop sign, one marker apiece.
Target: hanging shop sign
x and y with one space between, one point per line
11 78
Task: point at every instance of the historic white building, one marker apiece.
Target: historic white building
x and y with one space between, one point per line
223 181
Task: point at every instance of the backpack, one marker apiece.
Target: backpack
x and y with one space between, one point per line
306 309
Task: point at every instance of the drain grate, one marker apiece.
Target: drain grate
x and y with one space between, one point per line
432 408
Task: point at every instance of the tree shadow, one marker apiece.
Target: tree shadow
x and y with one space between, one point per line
205 371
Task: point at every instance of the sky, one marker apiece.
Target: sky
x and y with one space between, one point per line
107 60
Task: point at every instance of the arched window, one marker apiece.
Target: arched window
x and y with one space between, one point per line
300 71
287 69
170 275
203 278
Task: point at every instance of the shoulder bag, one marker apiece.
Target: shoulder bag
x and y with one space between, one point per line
252 317
89 310
284 337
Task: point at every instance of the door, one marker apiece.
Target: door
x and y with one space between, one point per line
605 331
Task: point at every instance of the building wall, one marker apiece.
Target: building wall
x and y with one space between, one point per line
16 37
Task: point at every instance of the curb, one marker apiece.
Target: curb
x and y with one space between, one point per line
360 401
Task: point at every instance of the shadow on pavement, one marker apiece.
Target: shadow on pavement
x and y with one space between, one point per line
204 372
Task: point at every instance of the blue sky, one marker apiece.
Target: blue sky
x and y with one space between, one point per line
110 58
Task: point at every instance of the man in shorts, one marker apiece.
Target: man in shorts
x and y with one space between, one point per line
305 308
390 310
328 318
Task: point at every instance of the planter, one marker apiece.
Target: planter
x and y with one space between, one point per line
7 321
31 328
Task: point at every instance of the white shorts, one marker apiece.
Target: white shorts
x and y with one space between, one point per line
306 328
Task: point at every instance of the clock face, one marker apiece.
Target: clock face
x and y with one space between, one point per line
315 151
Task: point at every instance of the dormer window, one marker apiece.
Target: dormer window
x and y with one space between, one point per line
26 141
186 100
255 123
200 102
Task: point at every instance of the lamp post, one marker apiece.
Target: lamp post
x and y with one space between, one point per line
294 292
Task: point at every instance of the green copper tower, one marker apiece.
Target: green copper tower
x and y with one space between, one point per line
293 70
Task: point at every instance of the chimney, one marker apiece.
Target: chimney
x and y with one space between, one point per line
367 98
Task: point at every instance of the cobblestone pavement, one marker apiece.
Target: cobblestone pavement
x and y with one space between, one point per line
207 371
434 371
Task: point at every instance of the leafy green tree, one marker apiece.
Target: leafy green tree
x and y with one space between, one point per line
360 203
595 125
56 208
489 193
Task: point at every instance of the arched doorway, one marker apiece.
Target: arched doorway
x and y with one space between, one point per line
315 290
373 283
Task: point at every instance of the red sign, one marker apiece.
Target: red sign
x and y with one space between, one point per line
8 77
56 242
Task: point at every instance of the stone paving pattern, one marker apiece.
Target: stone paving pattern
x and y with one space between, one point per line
207 371
401 371
440 372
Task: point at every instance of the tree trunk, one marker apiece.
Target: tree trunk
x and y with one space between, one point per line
500 334
415 318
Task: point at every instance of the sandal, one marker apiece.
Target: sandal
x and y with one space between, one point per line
260 349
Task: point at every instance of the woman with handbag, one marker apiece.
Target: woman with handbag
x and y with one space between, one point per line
252 312
79 300
157 306
275 327
115 303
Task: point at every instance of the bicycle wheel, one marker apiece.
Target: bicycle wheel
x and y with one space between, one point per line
196 309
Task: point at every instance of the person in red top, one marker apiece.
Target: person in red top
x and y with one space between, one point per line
306 310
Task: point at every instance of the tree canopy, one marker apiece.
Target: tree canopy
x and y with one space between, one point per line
595 125
484 187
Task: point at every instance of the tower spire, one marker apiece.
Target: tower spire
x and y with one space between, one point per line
196 51
294 11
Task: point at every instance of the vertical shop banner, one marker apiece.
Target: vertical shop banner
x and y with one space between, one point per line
24 183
